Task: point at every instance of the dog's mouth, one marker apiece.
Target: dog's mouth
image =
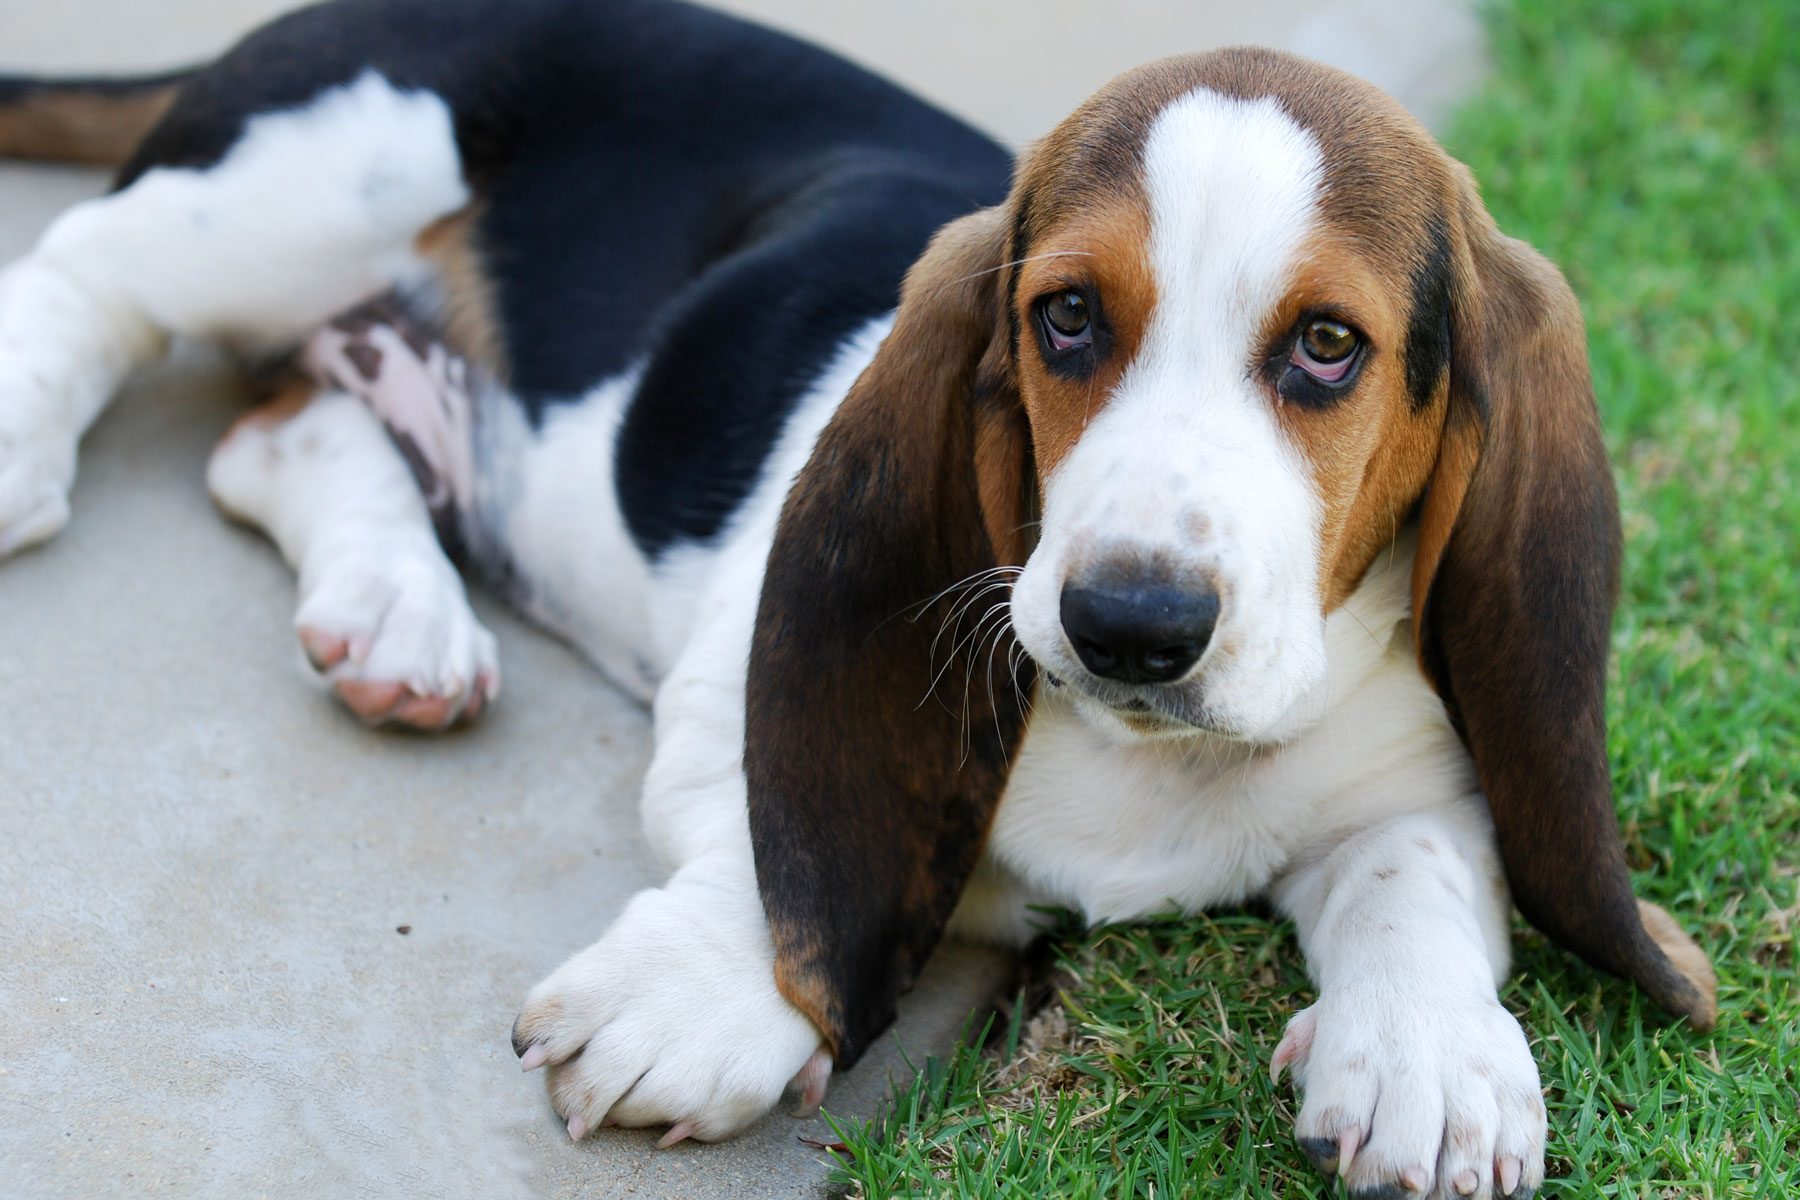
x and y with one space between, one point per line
1146 710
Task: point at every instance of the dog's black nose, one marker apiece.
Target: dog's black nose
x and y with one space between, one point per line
1149 634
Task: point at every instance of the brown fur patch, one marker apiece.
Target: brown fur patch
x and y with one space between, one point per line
1105 253
1459 449
1688 958
1514 588
1371 452
285 401
873 765
70 125
288 395
471 320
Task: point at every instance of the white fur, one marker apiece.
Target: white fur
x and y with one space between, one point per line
311 211
330 489
1118 826
546 498
1185 460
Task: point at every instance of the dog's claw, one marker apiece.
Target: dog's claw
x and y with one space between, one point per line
811 1081
1349 1141
1294 1045
535 1057
578 1127
323 650
680 1131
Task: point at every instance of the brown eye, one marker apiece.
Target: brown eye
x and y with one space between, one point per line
1328 341
1066 320
1326 350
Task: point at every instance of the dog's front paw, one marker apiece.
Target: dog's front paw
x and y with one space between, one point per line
1410 1096
673 1018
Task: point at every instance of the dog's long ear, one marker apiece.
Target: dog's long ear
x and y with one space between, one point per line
882 704
1513 591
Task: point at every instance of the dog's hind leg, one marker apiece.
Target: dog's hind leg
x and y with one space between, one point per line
309 210
383 615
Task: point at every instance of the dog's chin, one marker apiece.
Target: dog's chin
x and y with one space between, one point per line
1148 725
1143 714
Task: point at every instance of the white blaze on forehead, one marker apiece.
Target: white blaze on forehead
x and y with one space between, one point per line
1232 187
1186 462
1233 190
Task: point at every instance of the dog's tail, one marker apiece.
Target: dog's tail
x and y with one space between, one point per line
98 121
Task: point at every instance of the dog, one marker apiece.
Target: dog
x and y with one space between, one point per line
1209 506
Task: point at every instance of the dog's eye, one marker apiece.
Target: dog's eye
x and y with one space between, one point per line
1067 324
1326 350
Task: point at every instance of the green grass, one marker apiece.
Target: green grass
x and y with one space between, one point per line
1652 148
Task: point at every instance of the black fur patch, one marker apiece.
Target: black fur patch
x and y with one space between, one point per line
1015 251
1427 352
724 218
753 334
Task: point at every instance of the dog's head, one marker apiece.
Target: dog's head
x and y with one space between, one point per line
1232 306
1239 323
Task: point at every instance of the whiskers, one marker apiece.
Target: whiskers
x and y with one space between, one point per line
1019 262
983 603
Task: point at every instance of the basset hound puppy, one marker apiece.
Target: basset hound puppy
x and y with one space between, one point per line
1221 513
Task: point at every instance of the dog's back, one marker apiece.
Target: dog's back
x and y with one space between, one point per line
665 224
